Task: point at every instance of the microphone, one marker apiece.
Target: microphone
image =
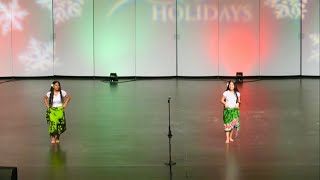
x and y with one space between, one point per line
169 99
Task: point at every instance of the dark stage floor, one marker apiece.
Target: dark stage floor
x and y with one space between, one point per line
120 132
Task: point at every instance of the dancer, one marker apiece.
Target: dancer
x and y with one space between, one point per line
56 100
231 113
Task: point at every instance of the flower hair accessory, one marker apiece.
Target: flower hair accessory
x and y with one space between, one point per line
51 85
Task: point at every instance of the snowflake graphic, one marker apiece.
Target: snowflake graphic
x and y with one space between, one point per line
38 57
288 8
11 15
315 47
63 9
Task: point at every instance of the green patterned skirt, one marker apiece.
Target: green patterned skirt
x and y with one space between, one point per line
231 119
56 120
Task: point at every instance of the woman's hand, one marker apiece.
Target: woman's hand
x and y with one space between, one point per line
46 103
237 105
66 101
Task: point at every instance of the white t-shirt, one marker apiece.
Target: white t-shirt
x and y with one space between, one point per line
57 98
231 99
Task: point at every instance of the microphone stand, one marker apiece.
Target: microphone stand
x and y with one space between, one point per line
170 163
170 173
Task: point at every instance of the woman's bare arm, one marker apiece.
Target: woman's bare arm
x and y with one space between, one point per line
66 101
223 101
46 102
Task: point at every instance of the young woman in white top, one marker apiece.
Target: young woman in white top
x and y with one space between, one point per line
56 100
231 113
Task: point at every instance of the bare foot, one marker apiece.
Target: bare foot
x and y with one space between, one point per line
227 141
53 141
231 139
57 141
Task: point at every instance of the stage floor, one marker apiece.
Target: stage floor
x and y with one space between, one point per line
119 132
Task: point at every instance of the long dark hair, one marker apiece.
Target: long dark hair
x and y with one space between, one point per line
235 88
52 93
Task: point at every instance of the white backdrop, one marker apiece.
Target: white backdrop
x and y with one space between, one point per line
138 38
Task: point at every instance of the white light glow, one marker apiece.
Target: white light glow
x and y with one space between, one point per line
38 57
64 10
288 8
11 13
315 47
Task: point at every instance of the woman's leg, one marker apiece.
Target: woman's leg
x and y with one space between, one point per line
227 137
57 139
53 140
230 137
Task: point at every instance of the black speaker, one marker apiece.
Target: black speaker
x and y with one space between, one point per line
239 77
113 77
8 173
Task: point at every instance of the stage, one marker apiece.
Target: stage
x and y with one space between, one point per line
119 131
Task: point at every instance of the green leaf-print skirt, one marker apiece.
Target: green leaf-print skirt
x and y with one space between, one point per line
231 119
56 120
